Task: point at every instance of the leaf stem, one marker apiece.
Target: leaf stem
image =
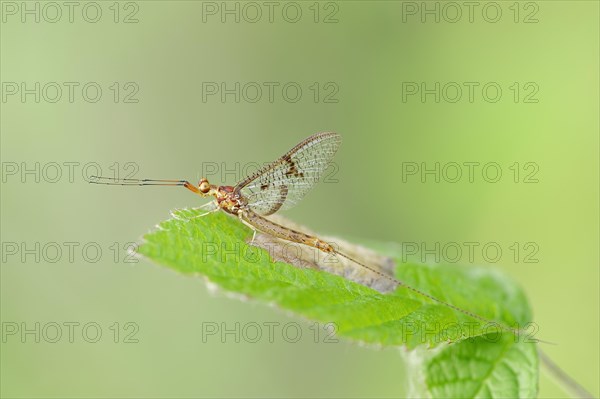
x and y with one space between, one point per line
571 386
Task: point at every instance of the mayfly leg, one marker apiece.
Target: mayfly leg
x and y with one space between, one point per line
242 217
209 207
110 181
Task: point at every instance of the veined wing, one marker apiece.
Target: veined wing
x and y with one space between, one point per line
284 182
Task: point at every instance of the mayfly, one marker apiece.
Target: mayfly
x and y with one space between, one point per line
279 186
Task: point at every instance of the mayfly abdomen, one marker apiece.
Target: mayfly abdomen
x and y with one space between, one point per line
279 231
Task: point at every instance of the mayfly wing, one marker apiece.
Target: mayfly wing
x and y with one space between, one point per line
284 182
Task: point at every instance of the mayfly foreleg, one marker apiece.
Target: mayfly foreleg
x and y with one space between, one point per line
110 181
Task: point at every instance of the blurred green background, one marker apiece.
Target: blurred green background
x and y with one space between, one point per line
359 54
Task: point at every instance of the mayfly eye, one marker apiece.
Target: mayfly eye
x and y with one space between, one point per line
204 186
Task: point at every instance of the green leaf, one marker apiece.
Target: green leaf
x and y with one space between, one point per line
484 367
474 365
